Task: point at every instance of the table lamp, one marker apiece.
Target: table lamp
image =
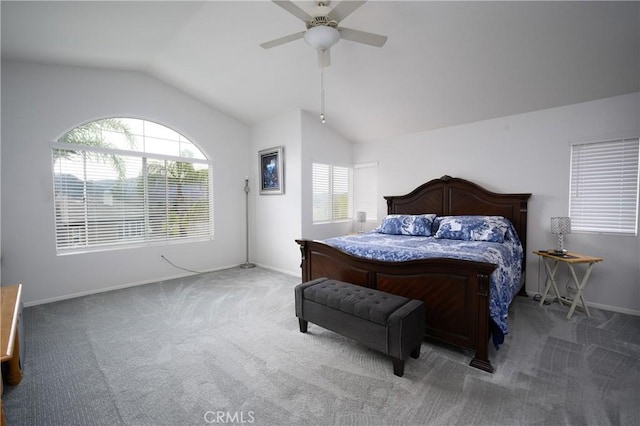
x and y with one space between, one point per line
361 218
561 226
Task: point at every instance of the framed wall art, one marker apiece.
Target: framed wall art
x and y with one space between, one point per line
271 163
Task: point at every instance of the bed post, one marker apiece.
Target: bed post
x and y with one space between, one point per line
303 263
523 239
481 358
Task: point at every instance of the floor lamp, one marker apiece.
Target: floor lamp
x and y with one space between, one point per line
247 264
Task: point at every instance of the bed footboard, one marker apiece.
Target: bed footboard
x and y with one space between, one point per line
455 292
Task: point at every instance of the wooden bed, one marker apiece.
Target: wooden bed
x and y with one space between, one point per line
455 292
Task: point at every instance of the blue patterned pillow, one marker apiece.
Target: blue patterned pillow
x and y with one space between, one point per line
407 224
473 228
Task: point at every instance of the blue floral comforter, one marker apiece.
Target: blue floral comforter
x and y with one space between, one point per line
504 281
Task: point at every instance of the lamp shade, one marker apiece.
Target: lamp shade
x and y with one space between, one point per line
361 217
560 225
322 37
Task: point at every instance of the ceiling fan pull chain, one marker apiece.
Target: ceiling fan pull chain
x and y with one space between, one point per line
322 96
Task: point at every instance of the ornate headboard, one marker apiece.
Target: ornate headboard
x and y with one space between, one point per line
454 196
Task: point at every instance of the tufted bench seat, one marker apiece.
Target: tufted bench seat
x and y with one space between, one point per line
393 325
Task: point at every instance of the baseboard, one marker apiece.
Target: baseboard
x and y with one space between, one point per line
614 309
282 271
118 287
602 306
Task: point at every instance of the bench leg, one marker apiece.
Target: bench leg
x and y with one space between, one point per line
398 366
416 352
303 325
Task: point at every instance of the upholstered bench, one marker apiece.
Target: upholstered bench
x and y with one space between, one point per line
393 325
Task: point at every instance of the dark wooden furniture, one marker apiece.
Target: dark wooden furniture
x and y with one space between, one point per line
385 322
455 292
10 305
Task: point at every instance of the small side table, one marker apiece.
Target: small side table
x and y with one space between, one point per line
551 263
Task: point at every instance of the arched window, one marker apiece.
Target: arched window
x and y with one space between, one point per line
123 181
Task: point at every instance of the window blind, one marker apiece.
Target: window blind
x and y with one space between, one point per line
321 193
332 193
341 183
365 189
109 193
604 187
93 207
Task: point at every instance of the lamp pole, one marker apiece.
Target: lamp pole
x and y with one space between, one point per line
247 264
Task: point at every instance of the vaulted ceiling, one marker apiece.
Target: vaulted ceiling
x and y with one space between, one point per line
445 63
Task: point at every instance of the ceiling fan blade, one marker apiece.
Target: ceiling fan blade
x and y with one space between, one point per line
293 9
344 9
282 40
324 58
358 36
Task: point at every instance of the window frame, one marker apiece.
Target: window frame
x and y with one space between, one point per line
601 160
331 208
365 192
148 239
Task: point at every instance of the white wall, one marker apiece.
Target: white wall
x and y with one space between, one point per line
525 153
278 220
39 104
275 219
522 153
321 144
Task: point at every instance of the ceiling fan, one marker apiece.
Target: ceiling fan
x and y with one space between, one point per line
323 30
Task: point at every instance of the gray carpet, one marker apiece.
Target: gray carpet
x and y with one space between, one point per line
224 347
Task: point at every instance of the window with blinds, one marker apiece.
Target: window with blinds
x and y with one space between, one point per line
604 187
122 182
332 193
365 189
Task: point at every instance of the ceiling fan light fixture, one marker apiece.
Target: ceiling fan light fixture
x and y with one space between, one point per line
322 37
